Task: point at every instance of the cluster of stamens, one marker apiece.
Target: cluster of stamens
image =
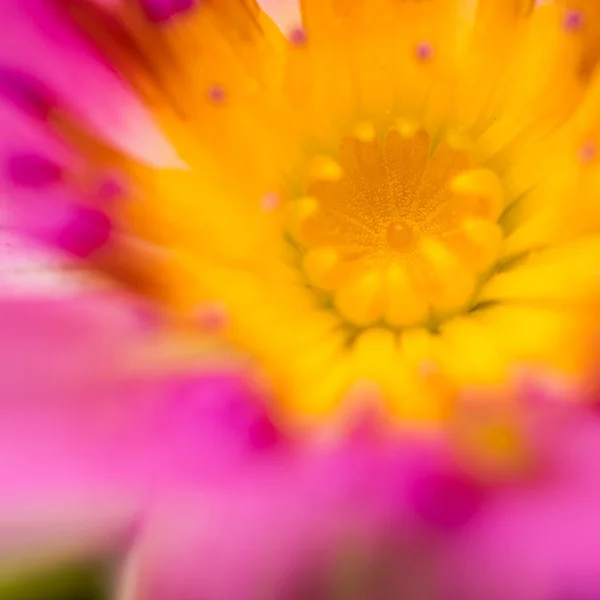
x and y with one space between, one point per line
396 229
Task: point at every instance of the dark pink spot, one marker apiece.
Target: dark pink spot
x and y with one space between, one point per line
111 188
217 94
159 11
298 36
223 411
573 20
445 498
587 152
212 317
87 230
32 170
26 92
262 433
424 51
270 201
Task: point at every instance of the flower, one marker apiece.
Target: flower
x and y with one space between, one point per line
372 218
398 192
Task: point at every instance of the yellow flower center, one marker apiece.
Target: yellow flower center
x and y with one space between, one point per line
398 228
401 196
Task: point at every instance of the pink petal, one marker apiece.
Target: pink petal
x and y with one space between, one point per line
41 45
52 349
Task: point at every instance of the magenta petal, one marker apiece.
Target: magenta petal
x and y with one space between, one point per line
232 404
39 42
26 92
212 424
162 10
67 477
88 230
287 528
50 349
32 170
445 498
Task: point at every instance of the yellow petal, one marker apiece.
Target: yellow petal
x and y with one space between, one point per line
357 299
402 304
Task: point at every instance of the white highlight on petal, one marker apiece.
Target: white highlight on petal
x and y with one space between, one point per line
285 13
134 131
